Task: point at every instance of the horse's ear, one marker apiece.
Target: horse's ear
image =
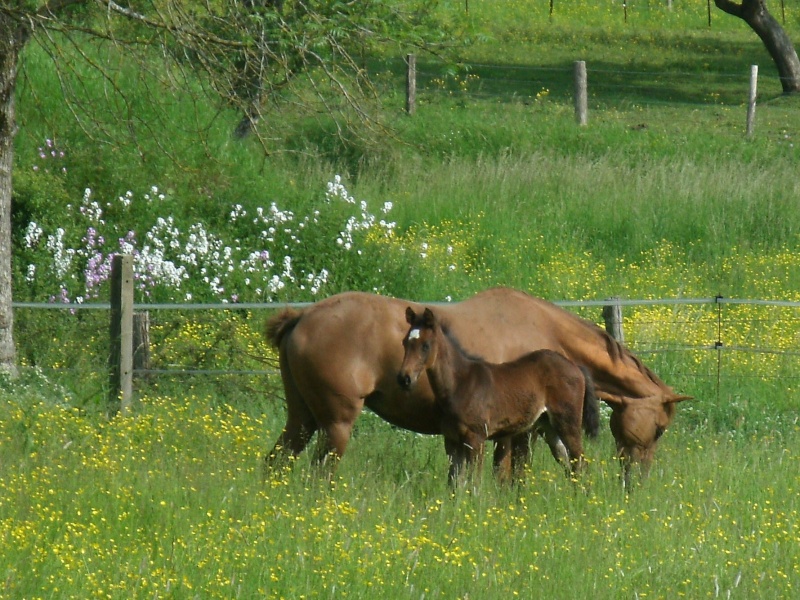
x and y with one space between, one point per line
611 399
429 317
677 398
410 316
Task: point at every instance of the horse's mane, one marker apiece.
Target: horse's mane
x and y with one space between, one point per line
281 324
457 344
616 351
620 353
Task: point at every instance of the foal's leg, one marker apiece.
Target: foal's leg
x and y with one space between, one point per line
557 447
502 461
466 454
521 453
574 444
567 443
511 455
457 457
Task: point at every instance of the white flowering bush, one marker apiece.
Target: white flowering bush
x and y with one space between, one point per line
260 254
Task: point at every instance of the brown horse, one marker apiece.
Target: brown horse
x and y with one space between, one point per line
343 353
540 392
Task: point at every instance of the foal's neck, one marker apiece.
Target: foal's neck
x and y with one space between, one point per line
451 369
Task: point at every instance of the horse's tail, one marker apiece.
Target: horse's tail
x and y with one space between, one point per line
591 406
280 325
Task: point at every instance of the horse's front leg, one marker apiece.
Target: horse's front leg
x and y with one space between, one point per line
625 470
635 465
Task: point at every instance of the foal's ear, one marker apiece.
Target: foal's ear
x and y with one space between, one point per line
410 316
428 318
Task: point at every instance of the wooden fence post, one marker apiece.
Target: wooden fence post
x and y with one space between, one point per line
141 341
581 102
120 360
751 103
612 315
411 84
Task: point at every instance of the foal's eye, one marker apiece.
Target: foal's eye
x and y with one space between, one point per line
426 347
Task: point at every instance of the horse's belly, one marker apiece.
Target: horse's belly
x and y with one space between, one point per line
407 410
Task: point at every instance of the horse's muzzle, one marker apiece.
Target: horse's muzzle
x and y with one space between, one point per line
404 380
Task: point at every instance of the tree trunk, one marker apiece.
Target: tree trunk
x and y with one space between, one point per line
12 37
777 42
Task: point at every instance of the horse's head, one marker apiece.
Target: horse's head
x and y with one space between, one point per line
637 425
418 346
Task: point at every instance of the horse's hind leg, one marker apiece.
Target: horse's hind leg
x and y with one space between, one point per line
300 424
300 427
333 443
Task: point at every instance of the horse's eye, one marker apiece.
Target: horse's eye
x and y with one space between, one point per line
426 347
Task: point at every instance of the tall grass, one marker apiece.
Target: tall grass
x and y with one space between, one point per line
660 196
171 503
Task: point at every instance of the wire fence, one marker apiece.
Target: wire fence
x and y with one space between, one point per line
713 97
712 346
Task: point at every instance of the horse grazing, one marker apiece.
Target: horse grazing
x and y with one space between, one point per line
343 353
541 391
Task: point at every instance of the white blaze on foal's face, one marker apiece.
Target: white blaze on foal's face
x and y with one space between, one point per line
413 334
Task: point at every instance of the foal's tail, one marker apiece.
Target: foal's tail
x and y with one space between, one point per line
278 326
591 406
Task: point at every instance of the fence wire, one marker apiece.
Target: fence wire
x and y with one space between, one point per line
225 340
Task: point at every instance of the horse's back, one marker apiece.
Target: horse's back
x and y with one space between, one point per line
544 370
346 338
502 324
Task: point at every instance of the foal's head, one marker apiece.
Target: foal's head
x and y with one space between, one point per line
419 345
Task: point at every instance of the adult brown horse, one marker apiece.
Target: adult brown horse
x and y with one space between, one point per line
343 353
541 392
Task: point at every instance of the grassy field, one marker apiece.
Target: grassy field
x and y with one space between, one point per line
491 183
171 503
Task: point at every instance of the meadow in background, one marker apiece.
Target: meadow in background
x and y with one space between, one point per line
489 183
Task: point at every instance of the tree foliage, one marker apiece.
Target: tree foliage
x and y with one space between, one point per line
255 55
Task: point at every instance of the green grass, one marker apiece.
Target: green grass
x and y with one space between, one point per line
660 196
170 503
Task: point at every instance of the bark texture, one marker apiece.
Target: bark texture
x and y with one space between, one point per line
775 38
12 38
